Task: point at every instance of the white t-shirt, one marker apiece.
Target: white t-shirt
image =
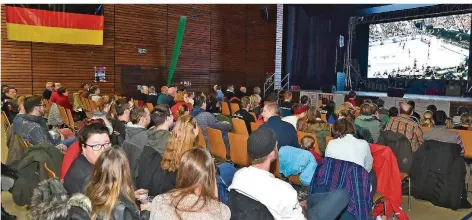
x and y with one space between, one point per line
350 149
278 196
292 120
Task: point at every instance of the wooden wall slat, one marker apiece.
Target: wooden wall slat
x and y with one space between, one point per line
223 44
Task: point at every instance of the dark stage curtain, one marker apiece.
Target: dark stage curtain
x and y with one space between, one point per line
315 39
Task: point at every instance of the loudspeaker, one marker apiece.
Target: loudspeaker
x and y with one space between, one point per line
395 92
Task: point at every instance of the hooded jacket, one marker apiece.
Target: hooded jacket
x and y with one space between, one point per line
136 135
31 170
158 139
51 202
370 123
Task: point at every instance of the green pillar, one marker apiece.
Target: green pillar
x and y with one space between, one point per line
178 44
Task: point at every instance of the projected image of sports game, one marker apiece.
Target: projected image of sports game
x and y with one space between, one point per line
429 48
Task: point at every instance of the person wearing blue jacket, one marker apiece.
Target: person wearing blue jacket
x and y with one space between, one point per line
285 133
294 161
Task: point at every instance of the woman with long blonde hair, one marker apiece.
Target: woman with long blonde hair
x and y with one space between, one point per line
427 120
158 173
255 104
181 139
195 196
111 190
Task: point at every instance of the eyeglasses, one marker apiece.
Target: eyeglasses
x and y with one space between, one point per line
42 105
97 147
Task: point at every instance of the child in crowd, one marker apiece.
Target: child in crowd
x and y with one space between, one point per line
308 143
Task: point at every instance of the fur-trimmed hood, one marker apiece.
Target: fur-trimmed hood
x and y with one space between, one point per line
50 201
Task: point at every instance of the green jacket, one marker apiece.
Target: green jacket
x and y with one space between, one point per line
370 123
31 170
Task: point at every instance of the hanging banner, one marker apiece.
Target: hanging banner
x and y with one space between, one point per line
55 23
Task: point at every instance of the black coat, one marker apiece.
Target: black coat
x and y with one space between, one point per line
78 175
400 147
245 208
150 175
152 99
438 174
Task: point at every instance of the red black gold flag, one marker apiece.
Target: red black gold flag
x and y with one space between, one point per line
53 23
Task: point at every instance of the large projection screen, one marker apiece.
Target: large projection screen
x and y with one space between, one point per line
428 48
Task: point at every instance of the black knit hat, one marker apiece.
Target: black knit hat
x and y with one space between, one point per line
260 143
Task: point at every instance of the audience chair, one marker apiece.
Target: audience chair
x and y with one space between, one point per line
405 177
466 137
323 117
357 113
225 109
295 180
63 114
4 150
136 102
25 143
302 134
425 129
380 198
255 126
93 105
51 173
217 144
234 107
150 106
238 149
328 139
275 168
5 123
239 126
71 119
201 139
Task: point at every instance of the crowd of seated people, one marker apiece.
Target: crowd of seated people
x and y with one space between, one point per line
172 177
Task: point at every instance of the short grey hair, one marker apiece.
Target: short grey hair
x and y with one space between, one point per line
152 89
257 90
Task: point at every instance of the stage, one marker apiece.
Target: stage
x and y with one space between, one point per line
412 96
449 104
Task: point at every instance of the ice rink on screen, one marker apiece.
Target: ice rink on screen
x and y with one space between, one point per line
392 56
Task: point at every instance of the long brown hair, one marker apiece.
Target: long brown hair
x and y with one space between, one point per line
110 179
181 139
427 119
313 117
197 171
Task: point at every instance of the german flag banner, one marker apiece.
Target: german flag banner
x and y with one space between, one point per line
65 23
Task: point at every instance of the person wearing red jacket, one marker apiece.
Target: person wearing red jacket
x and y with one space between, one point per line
61 98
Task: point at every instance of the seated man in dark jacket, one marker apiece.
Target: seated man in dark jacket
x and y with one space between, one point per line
243 113
206 119
119 123
284 132
152 97
33 128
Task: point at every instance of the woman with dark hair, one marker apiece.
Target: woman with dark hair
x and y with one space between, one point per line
62 98
95 94
93 140
347 147
195 196
111 190
330 112
213 106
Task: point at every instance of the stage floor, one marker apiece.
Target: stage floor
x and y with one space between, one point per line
413 96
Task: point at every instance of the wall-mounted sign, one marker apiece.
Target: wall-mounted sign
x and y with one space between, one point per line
100 72
142 51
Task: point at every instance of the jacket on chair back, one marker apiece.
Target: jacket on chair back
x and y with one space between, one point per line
400 147
438 174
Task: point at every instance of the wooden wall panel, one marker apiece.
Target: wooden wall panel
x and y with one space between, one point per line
16 62
223 44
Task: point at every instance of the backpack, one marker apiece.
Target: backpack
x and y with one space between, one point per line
224 177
